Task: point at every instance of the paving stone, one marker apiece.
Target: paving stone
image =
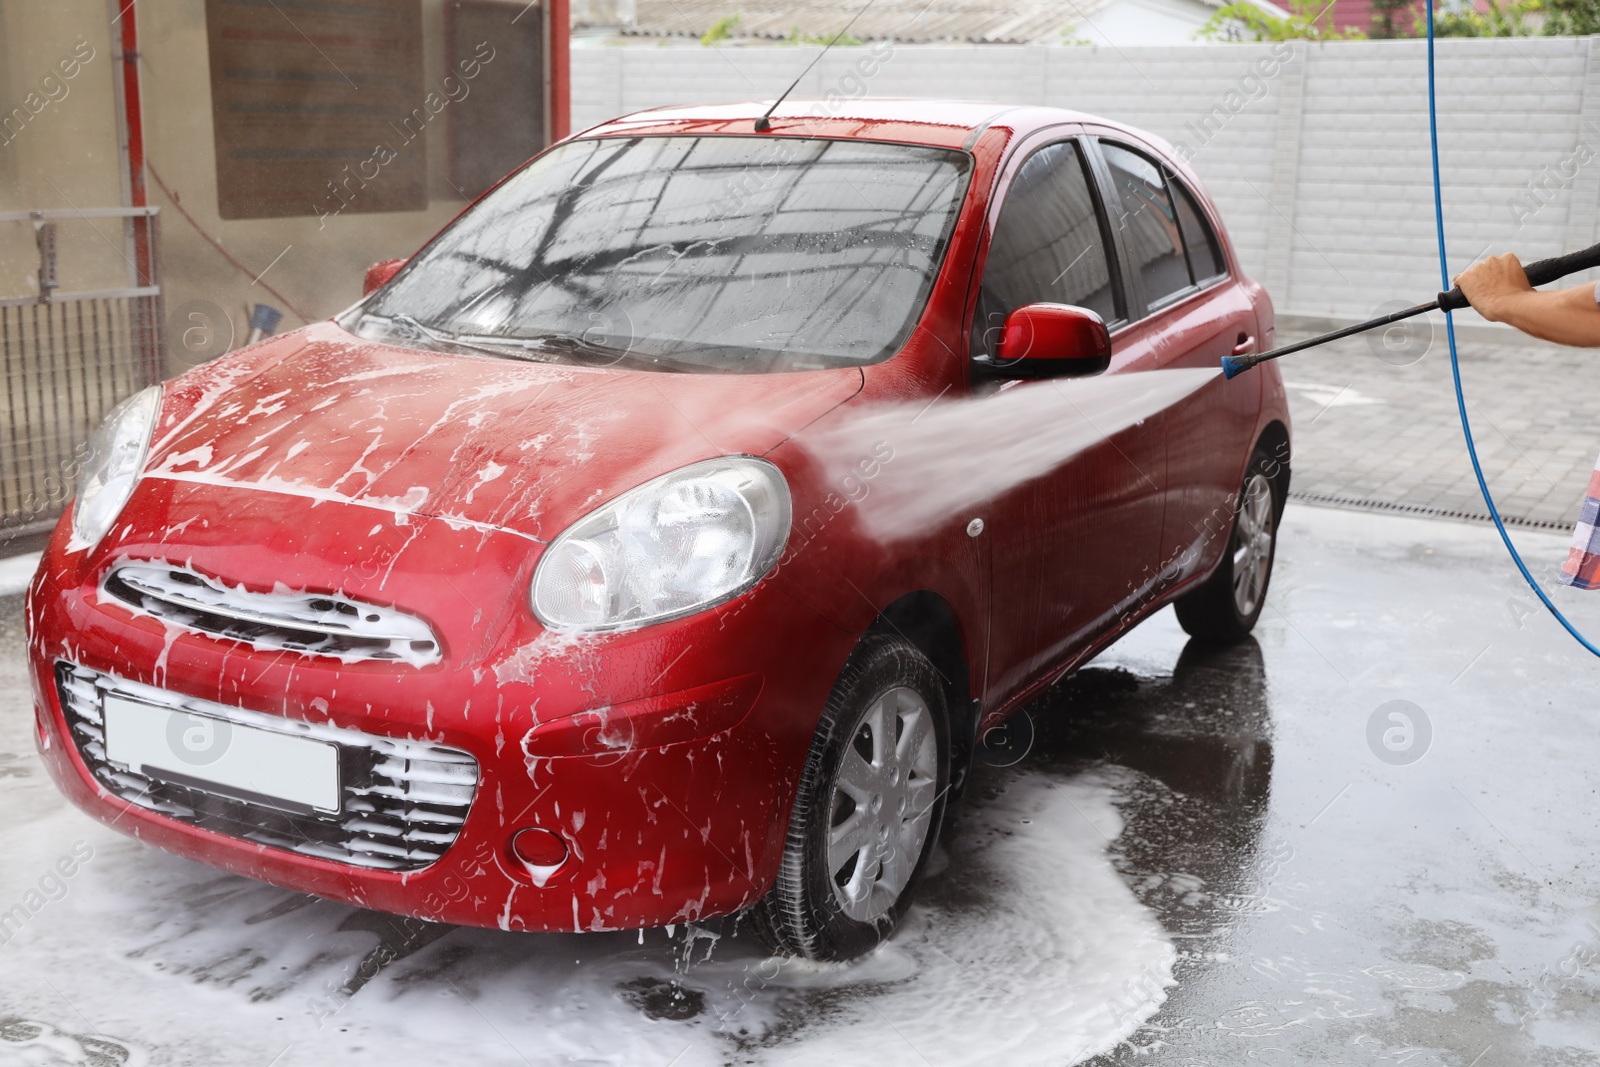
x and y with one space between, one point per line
1383 435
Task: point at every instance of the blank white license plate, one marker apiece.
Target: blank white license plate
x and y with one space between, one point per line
280 770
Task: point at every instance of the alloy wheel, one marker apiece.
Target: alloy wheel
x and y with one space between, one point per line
882 806
1252 550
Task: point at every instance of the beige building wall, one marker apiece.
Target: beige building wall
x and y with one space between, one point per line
317 268
68 156
58 141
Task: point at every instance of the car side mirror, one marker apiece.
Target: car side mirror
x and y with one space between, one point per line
1052 341
379 274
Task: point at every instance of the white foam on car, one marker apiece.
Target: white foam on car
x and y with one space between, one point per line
16 572
954 455
1027 948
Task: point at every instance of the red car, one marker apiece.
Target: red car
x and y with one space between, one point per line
513 596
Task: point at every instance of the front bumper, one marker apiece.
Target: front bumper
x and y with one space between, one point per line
666 758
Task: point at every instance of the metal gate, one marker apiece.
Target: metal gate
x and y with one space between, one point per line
67 358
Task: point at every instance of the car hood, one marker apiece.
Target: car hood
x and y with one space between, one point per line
505 444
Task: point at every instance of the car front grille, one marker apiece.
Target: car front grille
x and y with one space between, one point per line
317 624
403 802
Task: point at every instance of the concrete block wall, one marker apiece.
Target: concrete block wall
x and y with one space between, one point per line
1317 154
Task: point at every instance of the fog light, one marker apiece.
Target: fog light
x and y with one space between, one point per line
540 852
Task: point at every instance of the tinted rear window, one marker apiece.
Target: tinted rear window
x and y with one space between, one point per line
1150 223
1205 255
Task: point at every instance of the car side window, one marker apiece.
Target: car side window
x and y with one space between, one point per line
1049 246
1149 223
1199 239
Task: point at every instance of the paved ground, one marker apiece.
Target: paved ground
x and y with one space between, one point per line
1375 422
1204 859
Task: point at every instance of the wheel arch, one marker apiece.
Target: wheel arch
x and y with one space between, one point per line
930 622
1274 439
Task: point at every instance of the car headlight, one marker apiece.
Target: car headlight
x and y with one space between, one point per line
116 457
673 546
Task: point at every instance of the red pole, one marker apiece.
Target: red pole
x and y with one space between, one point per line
143 250
560 70
133 116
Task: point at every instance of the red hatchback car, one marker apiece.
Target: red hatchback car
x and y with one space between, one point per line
513 597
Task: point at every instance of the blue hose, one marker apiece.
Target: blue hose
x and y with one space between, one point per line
1455 365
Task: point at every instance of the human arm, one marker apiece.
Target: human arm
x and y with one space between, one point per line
1498 290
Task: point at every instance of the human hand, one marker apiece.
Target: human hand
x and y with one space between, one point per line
1487 285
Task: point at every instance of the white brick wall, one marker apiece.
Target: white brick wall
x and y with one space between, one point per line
1321 171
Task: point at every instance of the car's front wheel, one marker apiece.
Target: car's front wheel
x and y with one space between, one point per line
1226 606
868 810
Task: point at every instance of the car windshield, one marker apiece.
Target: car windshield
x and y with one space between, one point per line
721 253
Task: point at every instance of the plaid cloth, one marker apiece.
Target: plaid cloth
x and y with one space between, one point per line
1582 568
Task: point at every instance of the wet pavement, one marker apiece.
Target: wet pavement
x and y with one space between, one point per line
1181 856
1376 423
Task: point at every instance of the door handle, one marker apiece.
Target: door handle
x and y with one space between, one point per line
1245 345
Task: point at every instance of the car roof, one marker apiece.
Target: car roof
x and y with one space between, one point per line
939 123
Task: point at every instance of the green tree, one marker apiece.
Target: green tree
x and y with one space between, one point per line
1508 20
1310 20
1576 18
1385 18
720 30
796 36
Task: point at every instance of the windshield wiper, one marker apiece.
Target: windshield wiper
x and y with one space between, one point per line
545 341
548 348
444 337
568 343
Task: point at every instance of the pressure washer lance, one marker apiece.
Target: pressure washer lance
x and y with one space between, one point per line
1540 273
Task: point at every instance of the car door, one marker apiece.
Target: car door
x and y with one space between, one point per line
1067 546
1194 312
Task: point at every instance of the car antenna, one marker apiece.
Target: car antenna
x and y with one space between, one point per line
762 123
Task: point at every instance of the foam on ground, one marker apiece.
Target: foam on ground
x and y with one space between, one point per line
1028 948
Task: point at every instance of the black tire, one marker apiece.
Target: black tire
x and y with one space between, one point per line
1226 606
808 912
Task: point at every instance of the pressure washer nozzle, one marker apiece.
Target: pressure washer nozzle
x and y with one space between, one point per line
1232 366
